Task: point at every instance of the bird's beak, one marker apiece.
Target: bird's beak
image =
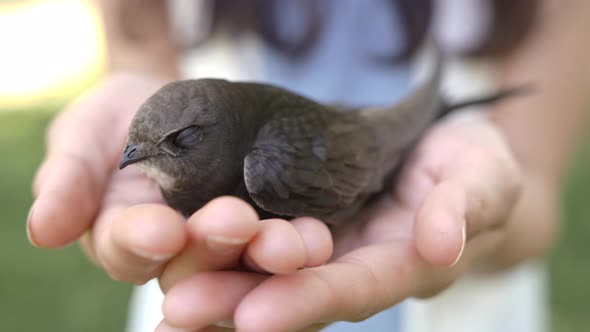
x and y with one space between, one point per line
131 155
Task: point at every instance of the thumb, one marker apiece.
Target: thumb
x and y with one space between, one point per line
440 225
462 207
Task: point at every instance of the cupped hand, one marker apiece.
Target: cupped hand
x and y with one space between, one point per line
120 217
448 213
80 194
452 202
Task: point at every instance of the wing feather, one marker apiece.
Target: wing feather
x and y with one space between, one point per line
314 164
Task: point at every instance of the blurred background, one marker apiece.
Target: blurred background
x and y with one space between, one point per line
44 63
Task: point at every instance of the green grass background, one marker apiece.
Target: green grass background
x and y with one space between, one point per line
42 290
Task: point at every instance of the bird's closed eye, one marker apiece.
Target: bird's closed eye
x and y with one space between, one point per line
187 137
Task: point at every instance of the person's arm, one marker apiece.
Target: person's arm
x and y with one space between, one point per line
138 37
544 128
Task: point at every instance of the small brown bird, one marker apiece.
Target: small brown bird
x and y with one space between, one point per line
287 155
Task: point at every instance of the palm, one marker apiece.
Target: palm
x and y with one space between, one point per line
385 220
392 216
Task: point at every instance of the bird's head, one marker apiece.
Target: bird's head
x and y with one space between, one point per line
185 134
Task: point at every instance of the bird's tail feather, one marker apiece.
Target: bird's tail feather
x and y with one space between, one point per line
486 99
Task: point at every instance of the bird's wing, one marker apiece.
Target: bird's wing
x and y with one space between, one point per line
311 165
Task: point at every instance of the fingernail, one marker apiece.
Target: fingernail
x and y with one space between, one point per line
464 239
224 244
163 327
225 323
29 231
150 255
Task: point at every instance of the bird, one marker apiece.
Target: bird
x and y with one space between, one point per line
286 154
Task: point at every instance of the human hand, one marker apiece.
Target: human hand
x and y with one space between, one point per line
448 213
120 217
81 194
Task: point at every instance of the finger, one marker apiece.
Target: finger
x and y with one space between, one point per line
492 187
479 162
52 221
354 287
219 233
75 173
440 225
317 239
139 240
87 245
178 294
277 248
281 246
164 327
126 189
413 184
475 194
83 145
189 304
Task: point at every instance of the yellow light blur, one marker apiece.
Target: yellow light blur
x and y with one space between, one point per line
47 49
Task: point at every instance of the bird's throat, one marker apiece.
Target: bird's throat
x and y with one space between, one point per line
163 179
